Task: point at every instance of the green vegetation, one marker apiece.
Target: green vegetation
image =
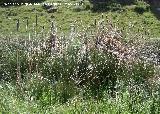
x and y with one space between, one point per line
125 104
81 15
85 61
70 78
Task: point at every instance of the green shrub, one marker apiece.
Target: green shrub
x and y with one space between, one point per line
142 71
103 5
67 69
12 58
142 7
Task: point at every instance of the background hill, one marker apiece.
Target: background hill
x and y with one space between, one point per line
140 14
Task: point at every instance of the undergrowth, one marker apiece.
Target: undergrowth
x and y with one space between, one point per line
77 73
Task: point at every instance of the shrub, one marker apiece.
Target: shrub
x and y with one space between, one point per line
124 2
141 7
78 62
102 5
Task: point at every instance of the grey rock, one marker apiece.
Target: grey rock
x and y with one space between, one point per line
47 6
52 10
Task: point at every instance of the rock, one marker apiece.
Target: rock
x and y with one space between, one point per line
52 10
47 6
158 9
81 2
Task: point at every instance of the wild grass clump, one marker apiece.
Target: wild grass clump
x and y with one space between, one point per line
83 65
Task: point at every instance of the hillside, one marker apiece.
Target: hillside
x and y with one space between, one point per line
82 15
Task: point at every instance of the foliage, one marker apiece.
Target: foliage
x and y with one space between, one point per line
76 76
38 69
125 102
103 5
142 7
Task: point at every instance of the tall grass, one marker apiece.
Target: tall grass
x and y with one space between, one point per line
76 73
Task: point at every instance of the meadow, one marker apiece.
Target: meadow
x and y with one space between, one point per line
125 17
78 61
